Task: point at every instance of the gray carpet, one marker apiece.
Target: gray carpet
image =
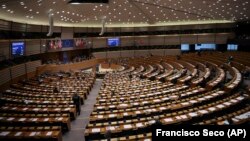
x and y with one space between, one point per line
78 126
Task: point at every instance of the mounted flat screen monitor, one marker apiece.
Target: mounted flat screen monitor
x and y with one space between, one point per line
232 47
17 48
113 42
205 46
185 47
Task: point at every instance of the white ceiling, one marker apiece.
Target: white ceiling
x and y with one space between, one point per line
125 12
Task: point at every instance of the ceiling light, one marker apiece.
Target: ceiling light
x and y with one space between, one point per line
87 1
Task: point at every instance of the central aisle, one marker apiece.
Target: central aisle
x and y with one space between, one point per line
78 126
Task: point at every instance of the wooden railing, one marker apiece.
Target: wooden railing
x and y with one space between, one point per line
67 67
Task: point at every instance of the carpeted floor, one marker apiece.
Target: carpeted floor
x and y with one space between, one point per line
78 126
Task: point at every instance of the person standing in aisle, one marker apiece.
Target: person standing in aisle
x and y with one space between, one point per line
77 103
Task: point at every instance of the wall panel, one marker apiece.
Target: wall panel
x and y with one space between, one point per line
141 29
142 40
32 47
172 27
80 29
127 29
67 33
156 40
190 39
113 29
172 40
4 50
206 38
5 76
45 28
59 29
99 42
221 38
34 28
31 66
18 27
4 25
127 41
17 70
43 46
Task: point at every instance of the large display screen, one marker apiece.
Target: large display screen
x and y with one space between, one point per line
17 48
113 42
205 46
232 47
185 47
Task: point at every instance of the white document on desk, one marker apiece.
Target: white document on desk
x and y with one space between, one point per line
193 101
57 109
193 114
95 130
185 103
35 109
127 126
49 133
137 112
227 103
139 124
110 128
112 115
10 119
220 106
100 116
203 111
18 133
168 119
22 119
67 109
211 108
162 108
32 133
4 133
183 116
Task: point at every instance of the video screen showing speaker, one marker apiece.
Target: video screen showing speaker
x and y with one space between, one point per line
185 47
205 46
17 48
113 42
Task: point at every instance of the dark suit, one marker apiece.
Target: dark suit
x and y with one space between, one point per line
76 100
